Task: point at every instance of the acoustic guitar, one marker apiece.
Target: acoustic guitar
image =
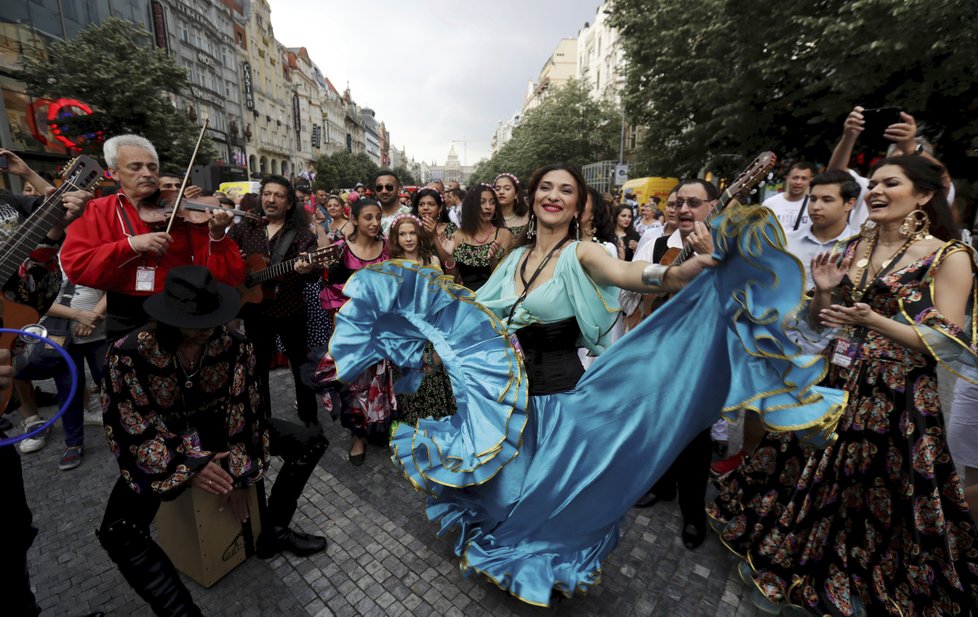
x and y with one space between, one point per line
259 271
747 180
22 304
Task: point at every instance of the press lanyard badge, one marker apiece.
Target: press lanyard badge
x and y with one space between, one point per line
846 351
145 278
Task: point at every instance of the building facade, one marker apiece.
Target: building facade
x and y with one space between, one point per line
600 58
200 36
560 68
265 89
27 28
270 110
371 134
504 132
451 171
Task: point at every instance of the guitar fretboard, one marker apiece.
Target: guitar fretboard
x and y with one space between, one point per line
256 278
19 246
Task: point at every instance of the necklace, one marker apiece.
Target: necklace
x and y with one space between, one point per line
483 240
536 273
865 282
178 361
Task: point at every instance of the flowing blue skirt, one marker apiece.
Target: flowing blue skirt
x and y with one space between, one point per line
537 485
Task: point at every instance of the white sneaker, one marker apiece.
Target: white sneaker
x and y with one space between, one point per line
93 418
35 443
94 401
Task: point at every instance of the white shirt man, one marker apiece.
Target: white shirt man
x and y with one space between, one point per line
833 196
788 205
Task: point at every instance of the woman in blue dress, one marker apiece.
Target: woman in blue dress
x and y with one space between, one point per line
541 462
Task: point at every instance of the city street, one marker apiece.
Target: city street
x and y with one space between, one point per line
383 557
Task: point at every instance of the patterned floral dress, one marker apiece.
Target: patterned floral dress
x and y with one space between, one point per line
164 425
366 406
878 519
434 398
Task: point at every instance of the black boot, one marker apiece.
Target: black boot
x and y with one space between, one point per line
277 539
148 570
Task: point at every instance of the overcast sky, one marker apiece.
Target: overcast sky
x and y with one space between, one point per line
435 71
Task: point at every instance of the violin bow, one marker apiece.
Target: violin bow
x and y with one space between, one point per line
186 177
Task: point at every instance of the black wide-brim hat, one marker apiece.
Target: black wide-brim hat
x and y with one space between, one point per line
191 298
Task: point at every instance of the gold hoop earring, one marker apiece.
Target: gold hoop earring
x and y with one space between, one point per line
916 225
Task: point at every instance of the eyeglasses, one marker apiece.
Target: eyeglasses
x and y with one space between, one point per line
692 202
384 187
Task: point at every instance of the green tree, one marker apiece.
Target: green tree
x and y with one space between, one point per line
342 170
405 176
717 77
568 126
129 84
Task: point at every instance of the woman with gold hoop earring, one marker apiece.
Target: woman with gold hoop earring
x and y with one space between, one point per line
879 521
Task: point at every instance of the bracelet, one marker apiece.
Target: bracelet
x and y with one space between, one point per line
210 235
654 275
450 265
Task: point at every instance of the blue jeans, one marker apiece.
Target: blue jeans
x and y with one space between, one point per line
74 419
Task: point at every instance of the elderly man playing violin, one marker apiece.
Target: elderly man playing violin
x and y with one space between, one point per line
121 245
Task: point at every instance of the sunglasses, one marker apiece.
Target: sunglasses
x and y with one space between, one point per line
384 187
692 202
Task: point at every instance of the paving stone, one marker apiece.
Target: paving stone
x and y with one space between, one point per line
383 556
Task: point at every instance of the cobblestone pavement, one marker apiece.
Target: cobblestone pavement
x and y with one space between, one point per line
383 557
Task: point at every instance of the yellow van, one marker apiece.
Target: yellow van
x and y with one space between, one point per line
647 188
236 190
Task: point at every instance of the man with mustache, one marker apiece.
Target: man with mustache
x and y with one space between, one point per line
111 248
689 474
283 310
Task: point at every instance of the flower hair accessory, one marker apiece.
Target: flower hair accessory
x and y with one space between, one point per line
427 190
506 174
488 187
401 217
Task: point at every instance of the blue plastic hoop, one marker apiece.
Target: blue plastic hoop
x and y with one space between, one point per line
71 394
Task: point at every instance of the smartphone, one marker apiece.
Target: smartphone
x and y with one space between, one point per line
877 119
3 161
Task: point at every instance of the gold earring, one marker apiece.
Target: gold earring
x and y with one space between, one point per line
916 225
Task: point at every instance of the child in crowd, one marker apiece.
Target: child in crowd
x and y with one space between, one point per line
408 239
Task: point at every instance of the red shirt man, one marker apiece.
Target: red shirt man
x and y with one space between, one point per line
111 248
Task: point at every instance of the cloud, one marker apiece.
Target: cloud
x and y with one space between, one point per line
435 71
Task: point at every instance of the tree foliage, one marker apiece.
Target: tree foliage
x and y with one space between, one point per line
568 126
717 77
129 84
342 170
405 176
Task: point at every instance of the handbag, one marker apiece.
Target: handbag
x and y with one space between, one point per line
39 360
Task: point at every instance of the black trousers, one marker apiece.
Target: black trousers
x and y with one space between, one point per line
261 332
688 476
15 521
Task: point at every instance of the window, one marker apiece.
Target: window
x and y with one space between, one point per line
46 17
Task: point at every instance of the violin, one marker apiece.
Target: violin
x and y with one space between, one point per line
158 209
171 205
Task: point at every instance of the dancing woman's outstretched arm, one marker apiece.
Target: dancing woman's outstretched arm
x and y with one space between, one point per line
641 276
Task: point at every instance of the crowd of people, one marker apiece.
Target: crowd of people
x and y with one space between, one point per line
483 335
